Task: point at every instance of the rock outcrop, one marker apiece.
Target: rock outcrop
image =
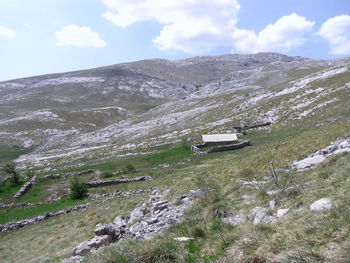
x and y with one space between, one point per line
318 157
321 204
144 222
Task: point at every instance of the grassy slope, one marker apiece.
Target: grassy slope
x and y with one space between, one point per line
302 237
219 171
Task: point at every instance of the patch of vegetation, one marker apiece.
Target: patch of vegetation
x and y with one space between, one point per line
15 214
10 170
8 154
78 189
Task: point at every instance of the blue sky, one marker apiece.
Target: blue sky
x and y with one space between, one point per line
46 36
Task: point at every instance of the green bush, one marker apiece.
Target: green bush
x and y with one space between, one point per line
198 232
10 169
78 189
130 168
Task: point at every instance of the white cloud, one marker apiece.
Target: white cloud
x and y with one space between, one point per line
197 26
73 35
337 31
284 35
7 32
192 26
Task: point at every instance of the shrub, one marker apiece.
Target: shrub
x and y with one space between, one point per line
130 168
219 210
107 174
10 169
198 232
78 189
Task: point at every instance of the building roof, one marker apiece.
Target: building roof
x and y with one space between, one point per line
229 137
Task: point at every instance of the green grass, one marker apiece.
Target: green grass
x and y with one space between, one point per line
53 239
304 235
8 190
15 214
7 154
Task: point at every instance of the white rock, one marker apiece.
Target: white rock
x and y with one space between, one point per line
282 212
182 239
234 220
261 216
309 161
321 204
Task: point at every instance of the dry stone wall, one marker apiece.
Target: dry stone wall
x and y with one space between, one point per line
117 181
25 188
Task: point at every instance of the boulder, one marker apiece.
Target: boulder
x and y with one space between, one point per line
120 222
87 247
161 205
282 212
321 204
75 259
234 220
261 216
309 162
110 230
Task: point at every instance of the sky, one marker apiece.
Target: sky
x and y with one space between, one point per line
49 36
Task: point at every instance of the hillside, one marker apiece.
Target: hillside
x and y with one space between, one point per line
144 115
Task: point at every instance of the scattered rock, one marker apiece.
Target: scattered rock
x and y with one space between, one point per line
152 217
321 204
75 259
318 157
261 216
272 204
182 239
282 212
89 246
110 230
235 220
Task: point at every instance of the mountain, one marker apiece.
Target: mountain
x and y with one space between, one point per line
282 199
120 108
135 105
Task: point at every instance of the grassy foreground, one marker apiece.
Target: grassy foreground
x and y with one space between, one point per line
301 237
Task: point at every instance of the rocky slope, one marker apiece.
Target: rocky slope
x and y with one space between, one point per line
127 108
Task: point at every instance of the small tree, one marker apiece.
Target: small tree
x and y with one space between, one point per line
10 169
78 189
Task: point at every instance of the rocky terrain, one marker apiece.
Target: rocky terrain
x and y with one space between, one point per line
126 130
113 111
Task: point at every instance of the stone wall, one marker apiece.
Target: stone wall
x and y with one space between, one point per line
67 175
230 147
17 224
25 188
117 181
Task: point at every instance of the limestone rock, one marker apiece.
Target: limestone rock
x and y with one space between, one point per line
87 247
321 204
182 239
234 220
110 230
75 259
261 216
282 212
309 162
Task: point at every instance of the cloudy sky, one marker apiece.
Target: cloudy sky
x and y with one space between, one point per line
45 36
